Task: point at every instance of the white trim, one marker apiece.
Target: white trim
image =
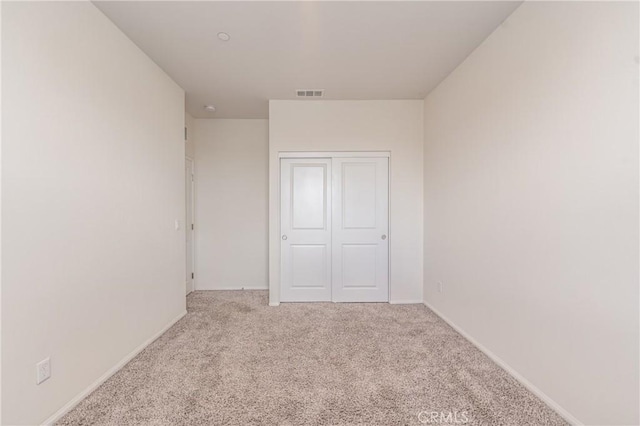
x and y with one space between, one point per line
82 395
389 232
193 217
406 302
526 383
235 288
334 154
274 303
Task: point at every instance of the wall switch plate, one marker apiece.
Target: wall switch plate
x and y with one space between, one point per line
43 370
439 286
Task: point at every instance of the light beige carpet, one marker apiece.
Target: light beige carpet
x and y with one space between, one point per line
233 360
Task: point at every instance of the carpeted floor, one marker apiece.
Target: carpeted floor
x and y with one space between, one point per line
233 360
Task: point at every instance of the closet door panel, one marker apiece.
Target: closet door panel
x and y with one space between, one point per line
305 229
360 243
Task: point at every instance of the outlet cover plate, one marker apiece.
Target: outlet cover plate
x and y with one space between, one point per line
43 370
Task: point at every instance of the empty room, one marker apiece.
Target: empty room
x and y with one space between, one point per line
320 213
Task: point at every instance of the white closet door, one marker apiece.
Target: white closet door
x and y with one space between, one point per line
305 230
360 230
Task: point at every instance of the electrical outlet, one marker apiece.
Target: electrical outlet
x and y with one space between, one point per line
43 369
440 287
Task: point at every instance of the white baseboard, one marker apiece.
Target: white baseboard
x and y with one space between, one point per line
406 302
394 302
234 288
82 395
526 383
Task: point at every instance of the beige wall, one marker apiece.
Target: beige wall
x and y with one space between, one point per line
231 204
531 202
1 173
92 183
394 126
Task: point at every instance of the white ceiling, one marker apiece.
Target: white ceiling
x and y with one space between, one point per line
353 50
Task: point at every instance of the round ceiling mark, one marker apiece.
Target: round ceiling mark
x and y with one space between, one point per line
210 108
224 36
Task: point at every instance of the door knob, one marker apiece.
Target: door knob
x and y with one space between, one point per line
284 237
384 237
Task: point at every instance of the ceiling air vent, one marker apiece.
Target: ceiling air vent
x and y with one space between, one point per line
310 93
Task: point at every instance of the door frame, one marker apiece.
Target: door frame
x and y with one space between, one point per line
275 301
334 154
193 221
